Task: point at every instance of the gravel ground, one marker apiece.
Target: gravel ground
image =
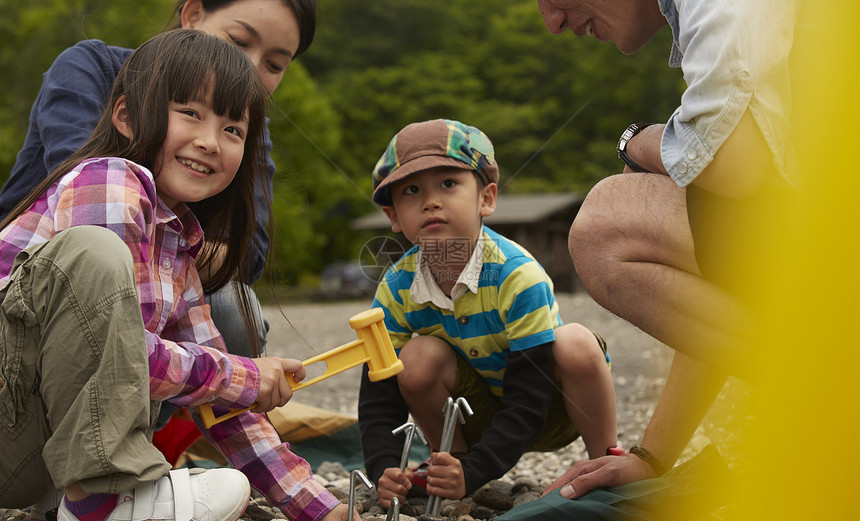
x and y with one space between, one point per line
639 367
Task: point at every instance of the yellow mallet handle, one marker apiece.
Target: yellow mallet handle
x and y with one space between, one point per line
372 347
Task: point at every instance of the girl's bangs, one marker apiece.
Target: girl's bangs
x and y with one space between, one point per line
216 75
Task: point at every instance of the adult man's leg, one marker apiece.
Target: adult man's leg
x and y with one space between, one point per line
633 249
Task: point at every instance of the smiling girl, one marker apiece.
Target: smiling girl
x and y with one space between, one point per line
75 89
74 92
102 310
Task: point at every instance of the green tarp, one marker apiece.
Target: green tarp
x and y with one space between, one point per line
685 492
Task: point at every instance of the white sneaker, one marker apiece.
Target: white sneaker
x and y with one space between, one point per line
200 494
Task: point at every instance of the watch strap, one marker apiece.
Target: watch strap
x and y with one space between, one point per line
640 452
626 136
622 155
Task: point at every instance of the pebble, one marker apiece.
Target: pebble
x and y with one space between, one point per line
492 498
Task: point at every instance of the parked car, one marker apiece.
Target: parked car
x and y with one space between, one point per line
349 279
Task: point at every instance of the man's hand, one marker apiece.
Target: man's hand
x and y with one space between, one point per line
275 390
445 478
340 513
393 483
607 471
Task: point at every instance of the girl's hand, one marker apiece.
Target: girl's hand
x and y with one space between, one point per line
393 483
275 390
445 478
340 513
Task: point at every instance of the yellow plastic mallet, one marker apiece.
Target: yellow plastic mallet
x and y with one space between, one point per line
372 347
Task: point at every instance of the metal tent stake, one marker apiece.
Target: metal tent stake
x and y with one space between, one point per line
411 430
355 473
453 412
393 510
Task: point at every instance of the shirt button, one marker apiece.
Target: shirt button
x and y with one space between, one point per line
473 352
166 264
692 154
682 168
463 320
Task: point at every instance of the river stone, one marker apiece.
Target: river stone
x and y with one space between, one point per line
490 497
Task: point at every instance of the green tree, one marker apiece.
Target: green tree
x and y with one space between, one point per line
313 195
35 32
553 106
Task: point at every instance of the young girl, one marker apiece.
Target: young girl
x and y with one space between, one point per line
75 89
70 101
99 260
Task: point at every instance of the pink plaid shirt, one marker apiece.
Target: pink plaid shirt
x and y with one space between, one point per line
188 362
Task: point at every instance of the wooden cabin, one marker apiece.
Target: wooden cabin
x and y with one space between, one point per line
538 222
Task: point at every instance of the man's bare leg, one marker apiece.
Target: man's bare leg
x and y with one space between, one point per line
633 250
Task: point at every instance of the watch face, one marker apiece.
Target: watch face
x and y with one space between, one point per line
625 137
628 134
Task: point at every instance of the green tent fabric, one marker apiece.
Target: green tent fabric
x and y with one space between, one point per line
685 492
344 447
319 435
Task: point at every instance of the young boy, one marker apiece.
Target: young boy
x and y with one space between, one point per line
472 314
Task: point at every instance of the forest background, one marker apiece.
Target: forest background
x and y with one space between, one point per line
553 106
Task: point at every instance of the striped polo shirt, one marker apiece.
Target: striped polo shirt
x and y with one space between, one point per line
513 308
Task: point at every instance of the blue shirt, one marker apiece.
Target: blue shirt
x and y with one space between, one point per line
733 54
74 92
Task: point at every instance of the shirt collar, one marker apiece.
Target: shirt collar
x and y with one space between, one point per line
425 288
182 221
670 11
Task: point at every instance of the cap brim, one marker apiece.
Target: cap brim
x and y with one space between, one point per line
382 194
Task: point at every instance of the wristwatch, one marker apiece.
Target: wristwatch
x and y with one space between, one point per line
628 134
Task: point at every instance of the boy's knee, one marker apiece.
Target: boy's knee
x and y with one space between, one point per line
577 351
427 360
93 243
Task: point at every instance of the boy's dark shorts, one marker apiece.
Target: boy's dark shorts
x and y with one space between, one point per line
557 432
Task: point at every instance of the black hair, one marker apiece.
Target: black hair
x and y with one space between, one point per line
185 65
305 11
